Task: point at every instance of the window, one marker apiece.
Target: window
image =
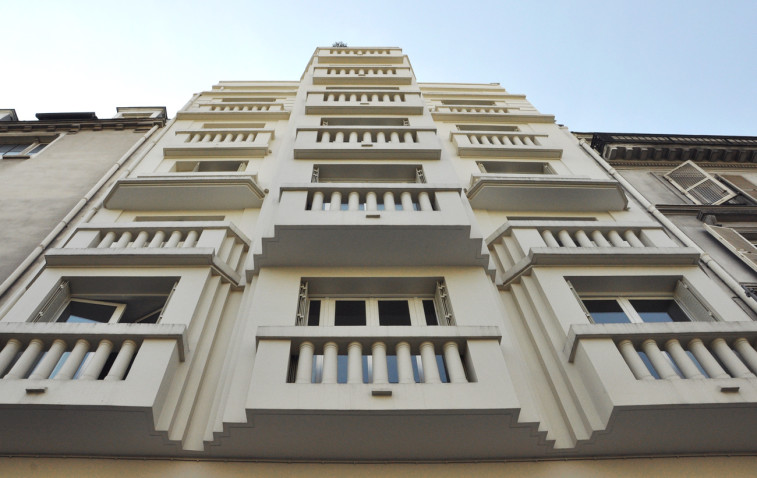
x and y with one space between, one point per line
430 307
514 167
80 300
209 166
20 148
368 173
617 300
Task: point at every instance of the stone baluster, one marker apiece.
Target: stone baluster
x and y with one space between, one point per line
73 361
659 362
565 239
330 362
49 361
174 239
424 201
528 141
191 239
353 201
616 240
455 369
394 137
682 360
355 362
95 366
353 137
706 360
107 241
634 362
325 137
305 363
380 370
407 201
123 359
632 239
370 201
409 137
381 137
317 204
141 240
729 358
549 238
25 362
473 138
367 137
389 201
157 239
339 137
404 364
124 240
506 140
583 239
516 139
599 239
430 367
8 353
336 201
741 344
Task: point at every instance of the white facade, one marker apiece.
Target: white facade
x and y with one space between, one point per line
360 267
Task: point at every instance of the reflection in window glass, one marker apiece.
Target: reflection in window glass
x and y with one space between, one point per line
349 312
606 311
394 312
659 310
86 313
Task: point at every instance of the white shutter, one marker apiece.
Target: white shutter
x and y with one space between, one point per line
302 304
691 304
580 302
736 243
443 305
698 185
53 304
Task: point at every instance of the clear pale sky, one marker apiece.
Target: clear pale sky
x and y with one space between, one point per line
687 67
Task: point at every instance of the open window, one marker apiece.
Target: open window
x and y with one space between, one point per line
23 147
698 185
320 304
107 300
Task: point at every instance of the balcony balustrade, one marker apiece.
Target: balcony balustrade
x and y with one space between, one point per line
520 245
491 113
504 145
220 245
363 75
361 55
401 224
364 102
221 143
235 110
363 142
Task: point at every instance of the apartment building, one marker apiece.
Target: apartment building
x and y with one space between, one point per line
358 267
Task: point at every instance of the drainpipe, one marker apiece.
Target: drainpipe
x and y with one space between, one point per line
732 283
37 252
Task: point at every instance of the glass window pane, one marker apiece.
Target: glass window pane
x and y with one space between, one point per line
442 368
86 313
394 312
349 312
391 365
606 312
666 310
314 312
430 312
341 369
648 363
37 148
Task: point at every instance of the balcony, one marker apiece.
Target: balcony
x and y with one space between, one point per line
490 113
231 110
395 225
357 101
190 192
374 56
219 143
373 393
520 245
546 192
219 245
57 377
503 145
364 75
367 142
690 386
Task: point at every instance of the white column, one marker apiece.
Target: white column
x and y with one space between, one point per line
27 359
173 241
336 201
424 201
506 140
339 137
527 141
407 201
615 239
191 239
430 367
409 137
659 362
317 204
107 240
380 371
516 140
706 360
682 359
122 361
634 362
565 239
49 361
549 239
157 239
381 137
353 201
389 201
455 370
305 363
496 140
330 351
473 138
741 344
353 137
485 139
123 241
73 361
730 359
630 236
394 137
583 239
141 240
355 362
325 137
404 366
370 201
8 353
367 137
97 362
599 239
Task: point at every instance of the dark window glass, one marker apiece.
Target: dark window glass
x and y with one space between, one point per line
659 310
349 312
394 312
341 369
430 312
38 148
391 367
86 313
442 369
314 312
648 363
606 311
